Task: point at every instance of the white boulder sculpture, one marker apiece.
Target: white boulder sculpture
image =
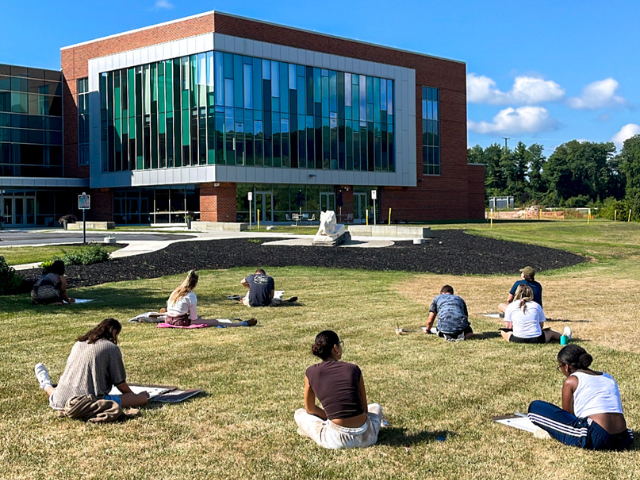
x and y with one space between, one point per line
330 232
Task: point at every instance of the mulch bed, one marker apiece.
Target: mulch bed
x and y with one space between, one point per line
449 252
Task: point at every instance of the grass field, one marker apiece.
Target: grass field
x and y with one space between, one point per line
22 255
243 426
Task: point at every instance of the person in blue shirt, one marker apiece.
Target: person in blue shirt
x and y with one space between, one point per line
527 278
453 316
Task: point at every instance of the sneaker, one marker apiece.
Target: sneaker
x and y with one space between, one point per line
567 333
235 297
250 323
540 433
42 374
291 300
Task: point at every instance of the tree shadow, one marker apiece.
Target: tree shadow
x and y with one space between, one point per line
397 437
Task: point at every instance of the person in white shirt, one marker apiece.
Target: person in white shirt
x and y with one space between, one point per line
182 307
591 415
526 318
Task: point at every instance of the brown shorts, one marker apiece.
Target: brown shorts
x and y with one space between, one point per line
179 321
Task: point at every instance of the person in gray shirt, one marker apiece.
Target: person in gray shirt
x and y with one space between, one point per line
93 368
453 317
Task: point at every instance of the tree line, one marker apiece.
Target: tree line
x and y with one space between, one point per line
576 174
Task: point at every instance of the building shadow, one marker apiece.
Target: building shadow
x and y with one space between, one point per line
397 437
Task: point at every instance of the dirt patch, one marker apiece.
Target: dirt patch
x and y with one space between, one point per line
448 252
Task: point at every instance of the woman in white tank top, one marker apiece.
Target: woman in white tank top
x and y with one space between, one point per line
591 415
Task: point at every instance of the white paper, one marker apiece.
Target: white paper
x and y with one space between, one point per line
153 391
82 300
521 423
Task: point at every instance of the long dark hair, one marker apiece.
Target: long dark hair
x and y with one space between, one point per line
324 343
109 328
55 267
575 356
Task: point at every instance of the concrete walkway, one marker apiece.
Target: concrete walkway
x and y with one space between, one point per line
139 247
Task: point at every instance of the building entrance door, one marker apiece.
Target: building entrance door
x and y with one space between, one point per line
327 201
19 211
359 207
264 203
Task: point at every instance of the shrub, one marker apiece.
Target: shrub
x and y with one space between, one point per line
70 218
85 255
10 281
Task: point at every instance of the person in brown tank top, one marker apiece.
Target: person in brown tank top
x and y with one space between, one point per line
345 420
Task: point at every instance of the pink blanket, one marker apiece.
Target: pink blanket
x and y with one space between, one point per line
193 325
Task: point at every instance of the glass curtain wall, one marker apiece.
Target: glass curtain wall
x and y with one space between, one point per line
430 131
155 205
83 121
228 109
30 122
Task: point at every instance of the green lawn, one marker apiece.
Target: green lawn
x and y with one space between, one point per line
253 377
22 255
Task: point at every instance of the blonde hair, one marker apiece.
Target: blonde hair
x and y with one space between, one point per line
184 289
524 293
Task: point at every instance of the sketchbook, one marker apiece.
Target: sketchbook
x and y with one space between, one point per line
161 393
517 420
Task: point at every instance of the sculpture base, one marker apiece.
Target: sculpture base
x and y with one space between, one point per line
331 240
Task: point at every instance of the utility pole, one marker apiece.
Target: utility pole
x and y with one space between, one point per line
506 147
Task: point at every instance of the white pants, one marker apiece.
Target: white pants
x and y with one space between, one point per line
329 435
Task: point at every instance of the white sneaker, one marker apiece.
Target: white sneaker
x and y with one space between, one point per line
567 333
42 374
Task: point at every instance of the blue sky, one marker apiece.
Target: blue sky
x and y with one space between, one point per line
539 72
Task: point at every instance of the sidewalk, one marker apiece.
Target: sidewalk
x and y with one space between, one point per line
139 247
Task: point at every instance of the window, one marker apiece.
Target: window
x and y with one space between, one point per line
430 131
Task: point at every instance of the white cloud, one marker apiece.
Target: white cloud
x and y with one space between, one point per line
600 94
628 131
525 90
516 120
163 5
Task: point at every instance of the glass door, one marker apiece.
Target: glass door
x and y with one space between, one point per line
18 210
327 201
8 210
359 207
31 210
264 203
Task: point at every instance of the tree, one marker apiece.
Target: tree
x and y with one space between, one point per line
581 169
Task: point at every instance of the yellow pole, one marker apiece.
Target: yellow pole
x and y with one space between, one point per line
589 217
366 215
629 219
258 219
491 216
540 214
389 216
615 214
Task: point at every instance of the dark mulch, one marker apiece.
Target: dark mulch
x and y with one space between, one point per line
449 252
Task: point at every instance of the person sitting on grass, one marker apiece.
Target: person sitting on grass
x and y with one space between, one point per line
261 291
526 318
527 277
93 368
591 415
51 287
453 317
345 420
182 307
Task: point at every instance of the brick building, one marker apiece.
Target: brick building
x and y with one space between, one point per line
193 114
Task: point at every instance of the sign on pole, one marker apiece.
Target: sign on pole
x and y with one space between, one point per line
84 201
250 197
374 196
84 204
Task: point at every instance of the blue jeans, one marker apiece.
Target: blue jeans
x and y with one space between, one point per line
575 431
115 398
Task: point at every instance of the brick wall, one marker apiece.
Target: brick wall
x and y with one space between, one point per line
218 204
101 205
476 191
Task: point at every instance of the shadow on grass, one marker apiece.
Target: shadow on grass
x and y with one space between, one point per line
397 437
485 335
